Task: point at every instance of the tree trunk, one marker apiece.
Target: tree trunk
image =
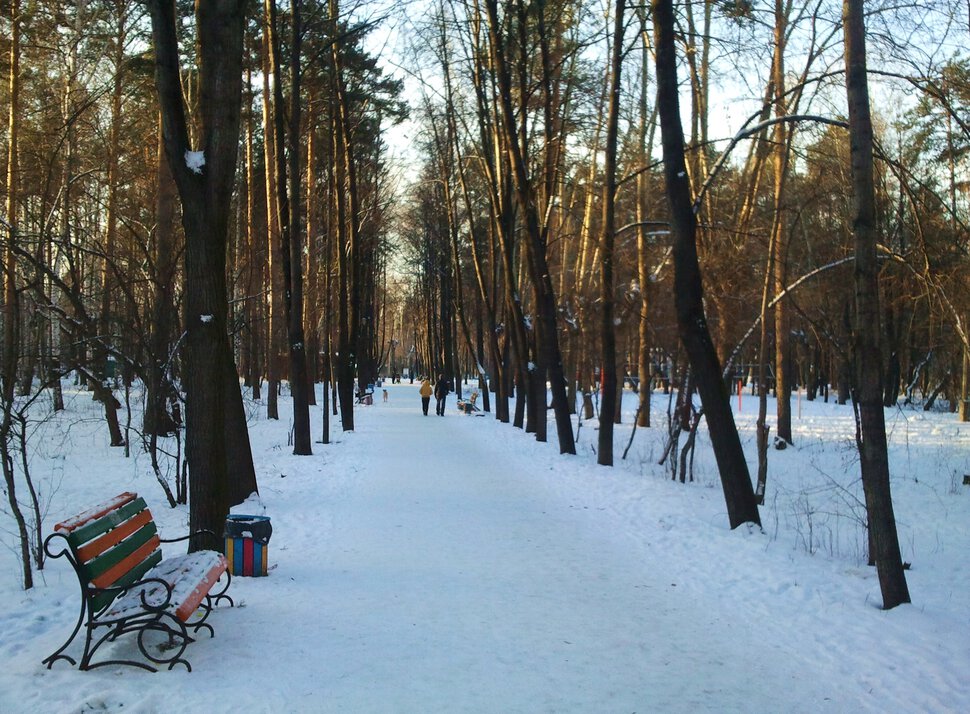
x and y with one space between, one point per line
247 353
206 193
645 156
11 296
242 470
604 452
104 321
311 262
688 289
780 151
346 233
11 306
964 413
870 419
288 192
159 388
550 356
275 323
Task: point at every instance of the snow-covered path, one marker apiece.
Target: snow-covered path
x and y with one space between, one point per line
453 572
488 587
426 564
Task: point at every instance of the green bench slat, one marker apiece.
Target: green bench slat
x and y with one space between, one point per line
112 557
100 601
102 525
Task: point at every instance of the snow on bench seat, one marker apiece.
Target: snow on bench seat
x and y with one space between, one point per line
189 576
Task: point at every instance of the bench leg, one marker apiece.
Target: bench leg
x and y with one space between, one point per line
217 597
58 653
178 640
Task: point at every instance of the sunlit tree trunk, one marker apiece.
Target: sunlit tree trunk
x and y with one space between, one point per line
645 157
604 454
495 291
779 238
550 355
250 358
289 189
345 235
274 303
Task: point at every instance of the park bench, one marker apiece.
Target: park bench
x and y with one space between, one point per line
127 587
365 396
468 406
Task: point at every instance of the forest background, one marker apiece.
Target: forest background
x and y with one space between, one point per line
530 243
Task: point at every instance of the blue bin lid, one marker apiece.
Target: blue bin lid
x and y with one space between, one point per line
239 525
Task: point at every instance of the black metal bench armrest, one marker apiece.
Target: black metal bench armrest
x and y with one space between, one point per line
190 535
65 548
148 607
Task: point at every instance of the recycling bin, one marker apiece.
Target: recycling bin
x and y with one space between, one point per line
247 544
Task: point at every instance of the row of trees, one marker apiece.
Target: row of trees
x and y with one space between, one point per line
552 244
548 244
778 216
190 199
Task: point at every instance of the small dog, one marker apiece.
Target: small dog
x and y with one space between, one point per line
385 395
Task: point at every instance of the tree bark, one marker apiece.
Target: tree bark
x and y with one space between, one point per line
11 297
346 235
104 322
604 453
159 388
206 192
688 288
867 358
779 239
11 306
645 157
288 192
964 412
275 323
550 355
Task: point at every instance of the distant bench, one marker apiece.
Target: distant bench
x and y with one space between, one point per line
126 586
468 406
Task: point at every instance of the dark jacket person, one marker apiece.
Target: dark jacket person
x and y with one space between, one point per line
441 389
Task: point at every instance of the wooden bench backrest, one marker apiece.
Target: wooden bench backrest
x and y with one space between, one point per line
114 544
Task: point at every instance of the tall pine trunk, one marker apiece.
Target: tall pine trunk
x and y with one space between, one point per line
549 354
604 454
275 323
288 192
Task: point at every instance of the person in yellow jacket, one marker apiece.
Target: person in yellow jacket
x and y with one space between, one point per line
425 395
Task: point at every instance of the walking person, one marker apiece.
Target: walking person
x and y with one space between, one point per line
441 389
425 393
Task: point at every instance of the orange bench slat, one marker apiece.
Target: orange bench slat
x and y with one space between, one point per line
113 537
111 576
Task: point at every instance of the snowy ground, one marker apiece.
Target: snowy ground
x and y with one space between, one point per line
427 564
